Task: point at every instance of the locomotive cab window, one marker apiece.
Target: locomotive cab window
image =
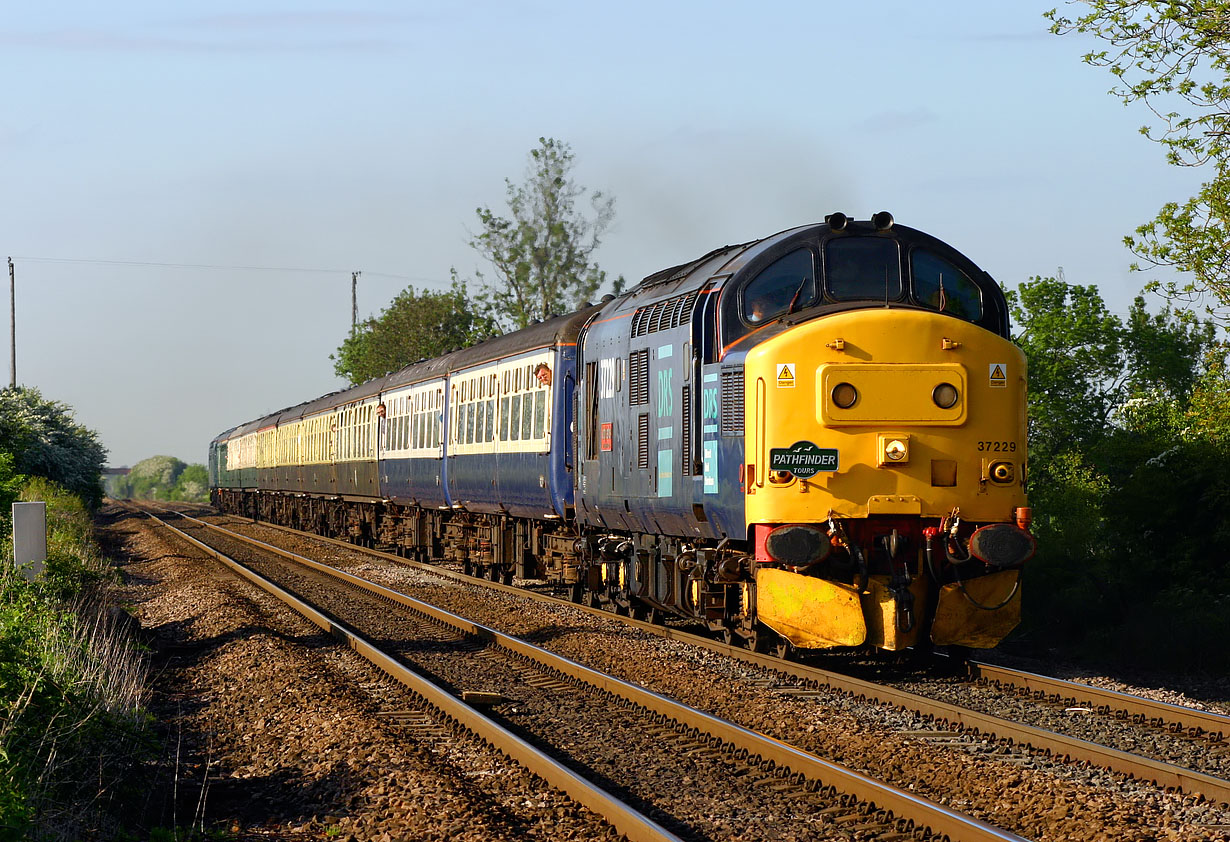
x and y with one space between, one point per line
862 269
786 285
941 286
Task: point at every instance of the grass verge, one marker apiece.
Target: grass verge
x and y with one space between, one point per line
72 687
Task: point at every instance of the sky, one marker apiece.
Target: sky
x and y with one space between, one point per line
186 188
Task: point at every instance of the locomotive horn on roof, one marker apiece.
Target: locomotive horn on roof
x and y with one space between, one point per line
882 220
837 221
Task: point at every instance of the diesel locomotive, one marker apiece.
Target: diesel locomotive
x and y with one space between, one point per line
812 440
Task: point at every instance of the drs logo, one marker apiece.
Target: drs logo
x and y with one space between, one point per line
666 395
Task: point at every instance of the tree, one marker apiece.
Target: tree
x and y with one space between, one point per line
163 478
46 441
192 484
413 327
1085 363
541 252
1175 58
1129 476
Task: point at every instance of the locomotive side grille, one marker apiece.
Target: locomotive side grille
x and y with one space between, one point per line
664 315
641 322
684 311
638 378
685 421
642 441
655 319
732 401
674 309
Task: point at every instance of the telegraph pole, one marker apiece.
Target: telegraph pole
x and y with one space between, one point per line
13 322
354 300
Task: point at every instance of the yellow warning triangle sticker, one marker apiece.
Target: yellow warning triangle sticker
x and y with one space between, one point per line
785 375
998 373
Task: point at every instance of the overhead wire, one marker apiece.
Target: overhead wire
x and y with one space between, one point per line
224 267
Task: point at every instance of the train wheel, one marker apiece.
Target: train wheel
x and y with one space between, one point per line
755 641
507 578
782 648
467 568
576 592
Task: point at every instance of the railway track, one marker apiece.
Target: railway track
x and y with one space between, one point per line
1174 738
530 690
1193 722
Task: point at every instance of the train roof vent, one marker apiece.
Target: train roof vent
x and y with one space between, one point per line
664 315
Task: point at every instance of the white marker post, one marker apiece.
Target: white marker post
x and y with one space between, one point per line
30 538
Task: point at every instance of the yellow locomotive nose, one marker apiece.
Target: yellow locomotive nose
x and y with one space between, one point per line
918 417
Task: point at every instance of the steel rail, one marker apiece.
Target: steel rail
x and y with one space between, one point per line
1208 722
939 819
1165 775
623 818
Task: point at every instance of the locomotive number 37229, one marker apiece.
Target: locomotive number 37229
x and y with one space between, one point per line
997 446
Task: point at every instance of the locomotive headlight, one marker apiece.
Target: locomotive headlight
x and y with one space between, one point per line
1002 472
945 395
844 395
894 450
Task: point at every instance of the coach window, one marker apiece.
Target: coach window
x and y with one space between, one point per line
942 286
862 269
540 414
515 421
788 284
